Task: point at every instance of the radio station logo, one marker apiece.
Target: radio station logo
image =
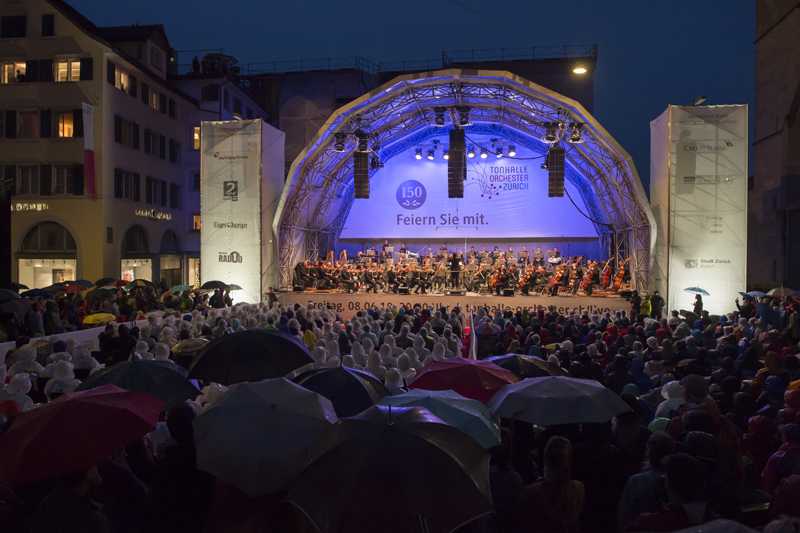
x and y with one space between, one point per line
411 194
230 190
230 225
224 157
232 257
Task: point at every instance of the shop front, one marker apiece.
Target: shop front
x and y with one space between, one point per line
48 255
170 260
136 262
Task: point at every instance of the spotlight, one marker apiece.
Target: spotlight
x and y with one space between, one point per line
418 155
338 142
551 133
471 152
512 152
439 116
499 152
543 166
463 116
430 155
580 70
484 153
363 141
576 133
375 163
445 155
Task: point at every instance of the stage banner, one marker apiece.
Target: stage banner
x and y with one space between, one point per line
230 206
707 209
503 198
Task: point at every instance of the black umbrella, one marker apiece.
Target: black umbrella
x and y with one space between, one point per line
7 295
106 282
250 355
525 366
162 379
214 284
349 390
38 293
16 287
396 469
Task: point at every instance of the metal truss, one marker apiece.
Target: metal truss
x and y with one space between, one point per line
318 192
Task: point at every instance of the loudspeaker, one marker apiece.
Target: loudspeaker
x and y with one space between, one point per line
455 292
508 292
456 164
403 290
555 172
361 174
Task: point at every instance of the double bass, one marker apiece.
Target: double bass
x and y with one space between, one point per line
605 275
620 276
586 281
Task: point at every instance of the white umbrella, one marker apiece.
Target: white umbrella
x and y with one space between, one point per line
262 434
554 400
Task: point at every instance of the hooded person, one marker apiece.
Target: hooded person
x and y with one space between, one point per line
404 368
141 352
161 352
394 382
319 354
389 340
387 356
439 353
82 359
419 346
62 382
59 356
349 362
25 357
674 398
358 353
374 364
17 390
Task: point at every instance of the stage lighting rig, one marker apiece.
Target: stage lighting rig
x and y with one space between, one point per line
445 154
498 153
512 152
463 116
338 142
484 153
550 133
418 154
576 133
363 141
431 155
439 116
471 152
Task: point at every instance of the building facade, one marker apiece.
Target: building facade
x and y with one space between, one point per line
98 149
774 196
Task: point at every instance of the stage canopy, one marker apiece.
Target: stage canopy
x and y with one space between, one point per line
603 189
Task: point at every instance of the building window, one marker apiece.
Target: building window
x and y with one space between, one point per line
154 100
174 196
126 132
28 125
196 182
62 179
126 185
172 109
28 179
48 25
66 126
196 224
13 27
226 99
69 70
156 58
13 72
174 151
162 147
196 137
121 80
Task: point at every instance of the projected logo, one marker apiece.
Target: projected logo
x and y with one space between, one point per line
411 194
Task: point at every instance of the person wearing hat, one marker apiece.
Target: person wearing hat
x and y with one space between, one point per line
17 391
62 382
643 491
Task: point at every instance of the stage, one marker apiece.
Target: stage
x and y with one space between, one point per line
347 305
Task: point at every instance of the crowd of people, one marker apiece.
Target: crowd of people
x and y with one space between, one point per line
713 429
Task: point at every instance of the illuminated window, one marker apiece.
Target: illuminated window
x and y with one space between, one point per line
154 100
121 81
196 224
66 127
196 138
12 72
68 70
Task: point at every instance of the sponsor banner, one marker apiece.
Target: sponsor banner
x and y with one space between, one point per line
230 205
503 198
707 232
347 305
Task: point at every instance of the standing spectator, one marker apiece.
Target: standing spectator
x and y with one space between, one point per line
657 304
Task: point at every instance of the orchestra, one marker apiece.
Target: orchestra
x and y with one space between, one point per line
491 272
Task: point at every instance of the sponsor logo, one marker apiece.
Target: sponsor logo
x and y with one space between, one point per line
152 214
218 155
411 194
690 263
230 190
232 257
230 225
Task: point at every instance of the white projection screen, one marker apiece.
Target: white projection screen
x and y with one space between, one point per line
704 187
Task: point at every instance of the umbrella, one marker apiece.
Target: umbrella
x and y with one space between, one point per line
106 282
250 355
157 378
37 293
261 435
82 283
97 319
16 287
469 416
526 366
396 469
753 294
74 432
478 380
781 292
180 289
140 283
7 295
697 290
349 390
234 287
557 400
214 284
189 346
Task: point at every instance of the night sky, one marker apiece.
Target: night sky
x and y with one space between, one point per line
651 53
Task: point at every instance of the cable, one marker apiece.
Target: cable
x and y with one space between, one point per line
566 191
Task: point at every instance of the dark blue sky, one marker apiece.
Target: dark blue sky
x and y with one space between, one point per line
651 52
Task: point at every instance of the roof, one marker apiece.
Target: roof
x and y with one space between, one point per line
135 33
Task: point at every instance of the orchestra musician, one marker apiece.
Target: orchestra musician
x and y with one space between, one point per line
455 271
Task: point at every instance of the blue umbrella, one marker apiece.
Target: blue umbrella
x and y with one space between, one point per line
753 294
697 290
467 415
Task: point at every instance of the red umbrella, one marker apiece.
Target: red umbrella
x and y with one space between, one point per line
74 432
478 380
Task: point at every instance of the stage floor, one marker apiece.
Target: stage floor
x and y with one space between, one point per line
347 305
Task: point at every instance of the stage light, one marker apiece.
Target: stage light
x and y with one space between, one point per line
445 155
463 116
418 155
580 70
484 153
439 116
512 152
338 143
576 133
430 155
499 152
363 141
551 133
471 152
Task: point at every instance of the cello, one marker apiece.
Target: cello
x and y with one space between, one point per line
605 275
620 276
